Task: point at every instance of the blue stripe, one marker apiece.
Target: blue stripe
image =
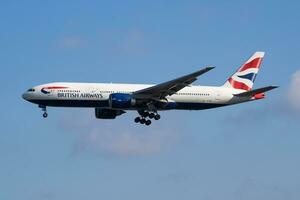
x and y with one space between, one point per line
105 104
197 106
250 76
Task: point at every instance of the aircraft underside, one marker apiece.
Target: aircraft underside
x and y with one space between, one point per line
105 104
103 111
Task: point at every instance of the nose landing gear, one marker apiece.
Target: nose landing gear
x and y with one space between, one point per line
45 115
44 109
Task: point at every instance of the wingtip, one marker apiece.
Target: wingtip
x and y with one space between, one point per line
275 86
210 68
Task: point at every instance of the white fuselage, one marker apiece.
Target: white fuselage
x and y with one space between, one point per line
112 100
65 94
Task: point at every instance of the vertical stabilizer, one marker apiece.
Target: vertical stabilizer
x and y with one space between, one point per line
245 76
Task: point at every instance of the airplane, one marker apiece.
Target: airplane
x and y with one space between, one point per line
112 100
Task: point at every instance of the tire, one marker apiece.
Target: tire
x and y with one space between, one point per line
151 115
143 121
148 122
137 120
157 117
45 115
146 114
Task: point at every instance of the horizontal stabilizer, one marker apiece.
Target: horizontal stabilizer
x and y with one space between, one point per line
255 91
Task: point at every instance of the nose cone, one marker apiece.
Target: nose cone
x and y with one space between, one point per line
25 96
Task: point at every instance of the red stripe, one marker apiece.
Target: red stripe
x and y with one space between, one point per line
259 96
55 87
238 85
252 64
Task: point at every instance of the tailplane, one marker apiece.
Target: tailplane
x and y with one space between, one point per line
256 93
244 77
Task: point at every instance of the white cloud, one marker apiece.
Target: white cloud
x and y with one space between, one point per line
120 142
120 137
294 91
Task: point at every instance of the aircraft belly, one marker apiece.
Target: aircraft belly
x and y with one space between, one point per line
71 103
196 106
196 103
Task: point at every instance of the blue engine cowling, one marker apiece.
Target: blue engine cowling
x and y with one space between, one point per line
121 100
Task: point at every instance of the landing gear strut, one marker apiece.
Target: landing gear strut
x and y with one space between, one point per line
144 115
44 109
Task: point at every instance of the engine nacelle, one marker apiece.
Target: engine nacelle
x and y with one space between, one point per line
107 113
121 100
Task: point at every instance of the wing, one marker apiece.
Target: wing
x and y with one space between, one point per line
162 90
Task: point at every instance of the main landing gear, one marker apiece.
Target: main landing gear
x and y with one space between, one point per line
44 109
144 115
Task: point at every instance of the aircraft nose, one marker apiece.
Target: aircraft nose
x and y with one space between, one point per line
25 95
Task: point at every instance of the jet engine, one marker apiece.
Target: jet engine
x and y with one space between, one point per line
107 113
121 101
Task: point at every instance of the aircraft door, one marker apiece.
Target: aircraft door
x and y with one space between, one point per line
217 96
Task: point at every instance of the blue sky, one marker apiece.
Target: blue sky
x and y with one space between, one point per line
247 151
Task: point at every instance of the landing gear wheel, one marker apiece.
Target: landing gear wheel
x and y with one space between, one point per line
151 115
148 122
146 114
157 117
45 115
137 120
143 121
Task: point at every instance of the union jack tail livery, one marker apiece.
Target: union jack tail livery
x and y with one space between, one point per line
111 100
245 76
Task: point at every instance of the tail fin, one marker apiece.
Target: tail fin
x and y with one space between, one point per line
245 76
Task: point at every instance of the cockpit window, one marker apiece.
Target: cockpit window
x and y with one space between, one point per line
31 90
